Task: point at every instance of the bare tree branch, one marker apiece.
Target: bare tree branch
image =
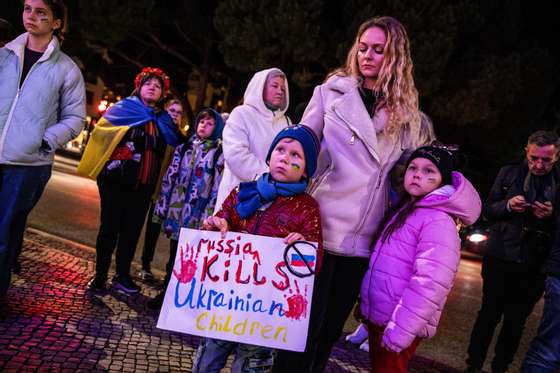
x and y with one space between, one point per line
143 39
172 51
102 49
184 34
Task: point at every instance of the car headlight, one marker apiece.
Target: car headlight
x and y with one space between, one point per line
477 237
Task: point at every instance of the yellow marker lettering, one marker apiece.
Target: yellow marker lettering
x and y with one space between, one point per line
278 331
265 330
254 324
239 328
199 319
227 329
215 325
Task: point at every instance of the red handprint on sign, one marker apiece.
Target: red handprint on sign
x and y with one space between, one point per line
297 304
188 265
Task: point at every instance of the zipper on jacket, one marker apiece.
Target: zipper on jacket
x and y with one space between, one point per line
319 180
20 87
39 61
260 214
364 216
27 76
379 180
352 140
380 177
370 203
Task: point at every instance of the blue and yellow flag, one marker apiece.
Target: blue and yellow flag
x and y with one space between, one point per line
111 128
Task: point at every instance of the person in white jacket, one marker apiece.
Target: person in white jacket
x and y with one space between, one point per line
367 117
42 106
251 127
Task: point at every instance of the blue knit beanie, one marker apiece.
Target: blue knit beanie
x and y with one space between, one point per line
308 140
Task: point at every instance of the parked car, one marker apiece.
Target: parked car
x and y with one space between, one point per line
474 239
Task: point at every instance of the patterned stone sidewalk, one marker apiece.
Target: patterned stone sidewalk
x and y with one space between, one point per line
51 324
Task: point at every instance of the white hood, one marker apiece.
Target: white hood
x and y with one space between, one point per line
249 131
254 93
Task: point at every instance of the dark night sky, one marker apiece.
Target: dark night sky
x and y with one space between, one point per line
535 24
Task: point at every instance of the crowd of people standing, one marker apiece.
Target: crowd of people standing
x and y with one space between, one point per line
360 174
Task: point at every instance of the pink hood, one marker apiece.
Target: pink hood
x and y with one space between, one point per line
464 204
412 272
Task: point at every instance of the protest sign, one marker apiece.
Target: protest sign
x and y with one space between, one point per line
243 288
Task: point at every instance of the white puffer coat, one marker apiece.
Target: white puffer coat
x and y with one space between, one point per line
49 105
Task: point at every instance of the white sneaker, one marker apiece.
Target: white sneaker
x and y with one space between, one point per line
359 335
365 346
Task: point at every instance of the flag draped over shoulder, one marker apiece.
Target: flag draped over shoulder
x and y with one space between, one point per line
111 128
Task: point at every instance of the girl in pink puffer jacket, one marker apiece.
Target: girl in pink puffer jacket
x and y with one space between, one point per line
415 259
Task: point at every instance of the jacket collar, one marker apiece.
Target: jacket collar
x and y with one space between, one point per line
18 47
350 108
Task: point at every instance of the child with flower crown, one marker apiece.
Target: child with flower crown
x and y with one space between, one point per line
124 155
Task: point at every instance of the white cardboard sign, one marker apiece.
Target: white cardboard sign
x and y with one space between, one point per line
243 288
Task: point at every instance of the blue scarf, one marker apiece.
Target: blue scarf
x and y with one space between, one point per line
132 112
255 194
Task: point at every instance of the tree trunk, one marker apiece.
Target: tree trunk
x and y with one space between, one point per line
188 112
202 85
204 75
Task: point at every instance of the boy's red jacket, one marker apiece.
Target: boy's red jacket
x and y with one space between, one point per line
285 215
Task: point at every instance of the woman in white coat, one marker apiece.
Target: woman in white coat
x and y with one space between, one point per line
366 115
250 129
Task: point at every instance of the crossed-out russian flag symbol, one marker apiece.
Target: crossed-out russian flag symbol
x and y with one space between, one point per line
299 260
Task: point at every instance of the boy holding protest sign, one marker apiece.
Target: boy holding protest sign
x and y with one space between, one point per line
275 205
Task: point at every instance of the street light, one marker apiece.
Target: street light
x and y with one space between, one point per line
103 105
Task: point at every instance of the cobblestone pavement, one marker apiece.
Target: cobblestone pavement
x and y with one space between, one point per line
51 324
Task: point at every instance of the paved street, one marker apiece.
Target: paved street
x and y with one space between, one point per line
51 323
70 206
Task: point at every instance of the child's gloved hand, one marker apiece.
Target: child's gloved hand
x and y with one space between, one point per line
293 237
216 223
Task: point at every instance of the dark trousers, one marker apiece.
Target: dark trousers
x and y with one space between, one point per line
20 190
335 292
544 354
509 292
150 239
170 262
123 211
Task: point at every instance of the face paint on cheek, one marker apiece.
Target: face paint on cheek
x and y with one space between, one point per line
44 19
295 166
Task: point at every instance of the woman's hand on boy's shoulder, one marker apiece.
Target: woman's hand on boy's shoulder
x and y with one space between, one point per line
216 223
293 237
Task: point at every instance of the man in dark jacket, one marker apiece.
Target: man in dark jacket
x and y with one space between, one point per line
544 353
520 207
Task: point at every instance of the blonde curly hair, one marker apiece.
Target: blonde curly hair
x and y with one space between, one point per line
395 82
